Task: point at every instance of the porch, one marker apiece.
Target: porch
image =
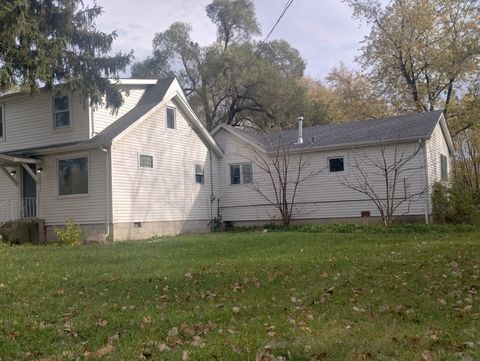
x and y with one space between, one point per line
24 175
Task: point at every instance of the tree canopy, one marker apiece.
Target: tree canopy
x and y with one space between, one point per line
236 79
45 42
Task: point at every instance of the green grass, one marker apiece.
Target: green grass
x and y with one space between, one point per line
301 295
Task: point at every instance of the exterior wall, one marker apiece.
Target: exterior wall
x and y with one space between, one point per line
437 146
320 197
29 122
168 192
9 197
102 117
85 209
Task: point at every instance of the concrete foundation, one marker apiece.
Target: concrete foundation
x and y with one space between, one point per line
145 230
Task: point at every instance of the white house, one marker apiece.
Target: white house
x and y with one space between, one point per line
153 169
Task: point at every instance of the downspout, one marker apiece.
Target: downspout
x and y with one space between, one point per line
212 196
107 188
426 197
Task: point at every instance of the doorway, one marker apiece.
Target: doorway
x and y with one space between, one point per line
29 193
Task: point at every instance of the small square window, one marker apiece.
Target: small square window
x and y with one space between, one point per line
443 167
145 161
199 174
336 164
61 111
171 118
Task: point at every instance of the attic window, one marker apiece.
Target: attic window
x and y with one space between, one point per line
443 167
336 164
61 111
170 118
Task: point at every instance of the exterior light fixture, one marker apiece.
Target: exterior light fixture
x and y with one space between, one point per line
13 172
39 170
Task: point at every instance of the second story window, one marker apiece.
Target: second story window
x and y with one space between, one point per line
145 161
61 111
2 123
443 167
171 118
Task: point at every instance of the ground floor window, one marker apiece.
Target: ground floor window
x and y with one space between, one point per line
241 173
199 174
73 176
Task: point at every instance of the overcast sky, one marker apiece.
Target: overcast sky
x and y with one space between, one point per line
322 30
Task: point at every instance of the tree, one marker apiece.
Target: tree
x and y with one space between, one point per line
419 52
44 43
235 80
284 169
382 176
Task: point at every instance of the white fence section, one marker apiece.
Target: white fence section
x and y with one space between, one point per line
13 209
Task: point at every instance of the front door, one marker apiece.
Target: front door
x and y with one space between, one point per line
29 193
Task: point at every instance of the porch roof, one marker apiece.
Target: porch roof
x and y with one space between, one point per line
13 161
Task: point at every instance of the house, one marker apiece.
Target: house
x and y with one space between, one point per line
336 158
140 172
153 169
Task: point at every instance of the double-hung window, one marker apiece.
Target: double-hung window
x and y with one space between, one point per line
61 111
241 173
443 167
171 118
72 176
199 174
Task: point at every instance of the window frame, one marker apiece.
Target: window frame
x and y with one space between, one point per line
139 162
197 173
443 170
336 157
57 176
240 165
2 124
167 108
55 112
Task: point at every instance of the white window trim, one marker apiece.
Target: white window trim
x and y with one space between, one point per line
57 175
148 155
4 128
66 127
195 173
174 117
241 174
344 164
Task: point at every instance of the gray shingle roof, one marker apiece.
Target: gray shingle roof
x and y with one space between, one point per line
402 127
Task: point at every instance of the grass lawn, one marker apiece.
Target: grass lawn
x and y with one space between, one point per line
245 296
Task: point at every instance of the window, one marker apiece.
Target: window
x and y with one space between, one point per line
443 167
171 118
336 164
61 111
145 161
73 176
241 173
199 174
2 124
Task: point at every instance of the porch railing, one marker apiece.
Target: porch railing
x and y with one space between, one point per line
13 209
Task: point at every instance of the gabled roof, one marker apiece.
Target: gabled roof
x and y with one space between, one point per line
154 96
399 128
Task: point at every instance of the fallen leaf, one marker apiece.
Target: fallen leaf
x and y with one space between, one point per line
185 356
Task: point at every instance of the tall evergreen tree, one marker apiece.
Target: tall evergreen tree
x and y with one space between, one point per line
47 42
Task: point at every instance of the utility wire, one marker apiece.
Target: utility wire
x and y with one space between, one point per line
264 41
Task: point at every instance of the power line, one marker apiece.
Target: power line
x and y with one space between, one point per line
264 41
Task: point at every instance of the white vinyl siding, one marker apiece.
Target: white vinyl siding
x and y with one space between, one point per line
85 208
321 196
29 122
102 117
169 192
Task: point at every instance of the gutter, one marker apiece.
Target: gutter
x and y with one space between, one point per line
107 189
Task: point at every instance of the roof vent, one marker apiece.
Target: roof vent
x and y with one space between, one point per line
300 130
